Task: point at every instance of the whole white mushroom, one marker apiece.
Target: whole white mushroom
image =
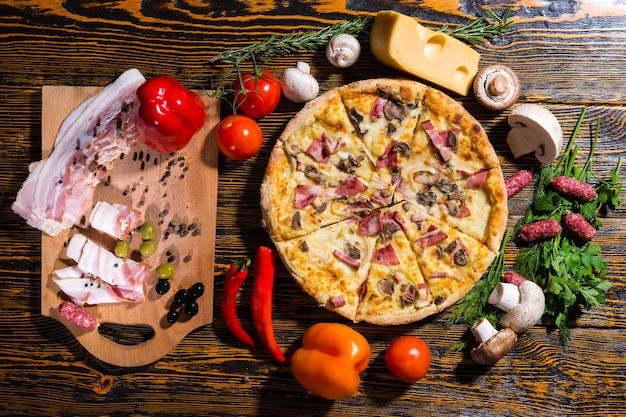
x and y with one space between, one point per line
298 85
343 50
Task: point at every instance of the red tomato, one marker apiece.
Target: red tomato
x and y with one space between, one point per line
239 137
408 358
258 94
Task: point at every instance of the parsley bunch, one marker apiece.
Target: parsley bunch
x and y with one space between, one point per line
571 274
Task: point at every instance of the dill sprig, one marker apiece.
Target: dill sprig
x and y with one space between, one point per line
473 306
476 30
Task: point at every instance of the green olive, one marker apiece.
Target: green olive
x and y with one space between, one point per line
148 231
165 271
121 248
148 247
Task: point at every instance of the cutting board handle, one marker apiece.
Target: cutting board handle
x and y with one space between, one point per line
118 354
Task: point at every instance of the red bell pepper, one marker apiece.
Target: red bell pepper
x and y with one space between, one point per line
237 274
168 114
264 268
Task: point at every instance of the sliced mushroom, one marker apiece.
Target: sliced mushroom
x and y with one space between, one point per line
496 87
534 129
493 344
343 50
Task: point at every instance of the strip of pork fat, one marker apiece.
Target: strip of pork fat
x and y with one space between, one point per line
115 220
59 189
83 288
121 279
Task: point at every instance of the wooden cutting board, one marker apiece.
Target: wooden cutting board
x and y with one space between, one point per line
179 188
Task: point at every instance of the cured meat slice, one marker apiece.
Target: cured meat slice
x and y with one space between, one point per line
59 189
116 220
99 262
83 288
77 315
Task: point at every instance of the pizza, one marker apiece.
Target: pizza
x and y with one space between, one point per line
385 200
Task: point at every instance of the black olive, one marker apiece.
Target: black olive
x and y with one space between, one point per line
163 286
172 316
191 308
196 291
181 297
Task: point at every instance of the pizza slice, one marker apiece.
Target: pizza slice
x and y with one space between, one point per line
385 113
453 173
322 136
450 261
330 264
395 291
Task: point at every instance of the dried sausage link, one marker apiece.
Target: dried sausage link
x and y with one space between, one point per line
513 278
77 315
517 182
574 188
540 229
579 226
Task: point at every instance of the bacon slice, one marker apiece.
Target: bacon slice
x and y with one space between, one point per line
390 158
337 301
378 108
370 225
83 288
404 189
350 187
439 140
386 255
423 293
444 274
58 190
306 194
99 262
431 237
345 257
322 147
116 220
477 179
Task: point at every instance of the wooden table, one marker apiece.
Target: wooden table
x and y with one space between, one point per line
568 55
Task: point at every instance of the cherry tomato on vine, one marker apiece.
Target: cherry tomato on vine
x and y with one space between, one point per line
239 137
408 358
258 94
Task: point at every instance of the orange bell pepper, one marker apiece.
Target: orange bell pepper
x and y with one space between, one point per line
330 360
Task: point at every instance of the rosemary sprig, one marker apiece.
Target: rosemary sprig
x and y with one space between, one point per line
295 42
475 31
280 46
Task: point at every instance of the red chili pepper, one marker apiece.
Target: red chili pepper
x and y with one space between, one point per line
237 274
168 114
264 267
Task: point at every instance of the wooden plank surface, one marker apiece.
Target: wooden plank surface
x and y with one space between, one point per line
568 55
